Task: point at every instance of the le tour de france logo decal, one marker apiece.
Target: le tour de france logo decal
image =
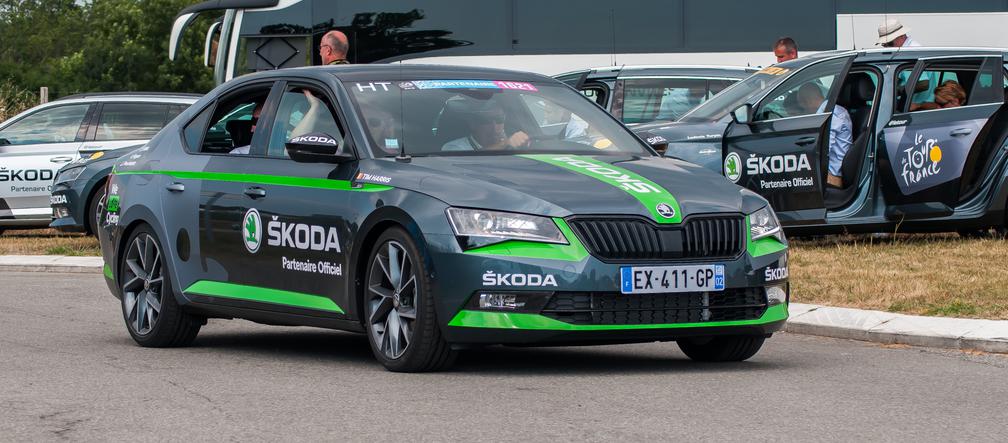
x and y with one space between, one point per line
920 161
251 230
733 167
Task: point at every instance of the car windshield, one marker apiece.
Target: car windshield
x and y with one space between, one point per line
735 95
467 117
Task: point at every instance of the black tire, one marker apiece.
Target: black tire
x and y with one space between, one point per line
425 349
721 349
166 326
91 222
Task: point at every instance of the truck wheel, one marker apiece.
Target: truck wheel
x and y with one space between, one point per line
153 317
714 349
399 308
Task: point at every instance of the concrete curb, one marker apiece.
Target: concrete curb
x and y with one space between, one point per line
51 263
890 328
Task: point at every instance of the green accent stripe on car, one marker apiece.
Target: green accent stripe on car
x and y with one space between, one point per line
647 192
263 179
107 270
510 320
574 251
267 295
763 246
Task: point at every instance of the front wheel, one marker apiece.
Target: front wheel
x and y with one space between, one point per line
399 308
153 317
721 349
92 219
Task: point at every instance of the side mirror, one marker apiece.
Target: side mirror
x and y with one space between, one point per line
742 114
318 147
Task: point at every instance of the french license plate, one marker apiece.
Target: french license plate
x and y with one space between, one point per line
664 279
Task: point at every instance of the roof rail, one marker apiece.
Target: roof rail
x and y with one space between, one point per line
131 93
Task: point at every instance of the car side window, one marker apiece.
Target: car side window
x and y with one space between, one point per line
130 121
301 111
650 99
805 93
232 123
51 125
949 84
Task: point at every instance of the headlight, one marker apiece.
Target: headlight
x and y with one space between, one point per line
68 175
763 223
504 226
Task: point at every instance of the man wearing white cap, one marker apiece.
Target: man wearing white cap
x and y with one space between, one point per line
892 34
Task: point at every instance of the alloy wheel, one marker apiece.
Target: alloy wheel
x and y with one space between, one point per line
142 290
392 297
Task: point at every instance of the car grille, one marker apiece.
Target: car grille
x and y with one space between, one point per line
637 239
613 308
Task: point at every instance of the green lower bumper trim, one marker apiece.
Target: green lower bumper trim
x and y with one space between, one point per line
107 270
508 320
255 293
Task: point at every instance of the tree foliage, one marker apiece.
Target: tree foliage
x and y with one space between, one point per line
99 45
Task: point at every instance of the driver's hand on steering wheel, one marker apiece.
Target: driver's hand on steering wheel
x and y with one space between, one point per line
518 139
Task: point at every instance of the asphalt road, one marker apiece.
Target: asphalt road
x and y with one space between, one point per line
68 370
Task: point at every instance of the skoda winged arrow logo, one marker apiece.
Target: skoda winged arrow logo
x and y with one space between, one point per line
251 230
665 210
733 167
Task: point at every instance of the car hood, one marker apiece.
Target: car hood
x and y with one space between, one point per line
699 143
559 185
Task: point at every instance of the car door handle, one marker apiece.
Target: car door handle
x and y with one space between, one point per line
805 141
175 187
255 192
958 132
61 159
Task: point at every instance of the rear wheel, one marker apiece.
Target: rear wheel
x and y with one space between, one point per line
153 317
716 349
399 308
93 219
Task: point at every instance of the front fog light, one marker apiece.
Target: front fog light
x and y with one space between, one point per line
61 212
493 300
776 295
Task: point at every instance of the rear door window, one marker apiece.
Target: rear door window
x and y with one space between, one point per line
650 99
130 121
51 125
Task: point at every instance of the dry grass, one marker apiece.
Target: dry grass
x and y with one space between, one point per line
942 275
47 242
916 274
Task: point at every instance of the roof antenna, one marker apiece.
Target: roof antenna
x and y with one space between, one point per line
403 156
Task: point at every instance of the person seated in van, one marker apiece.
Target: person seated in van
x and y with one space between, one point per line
486 131
811 98
948 95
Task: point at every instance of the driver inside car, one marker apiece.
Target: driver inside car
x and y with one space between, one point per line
486 131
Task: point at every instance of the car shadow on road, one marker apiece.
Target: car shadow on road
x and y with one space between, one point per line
347 348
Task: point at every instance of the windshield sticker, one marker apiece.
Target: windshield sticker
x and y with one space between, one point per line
520 86
455 84
373 86
773 70
465 84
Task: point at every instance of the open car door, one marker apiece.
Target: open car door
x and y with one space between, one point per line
936 151
779 148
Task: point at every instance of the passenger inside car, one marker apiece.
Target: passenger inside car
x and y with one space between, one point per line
241 131
949 94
